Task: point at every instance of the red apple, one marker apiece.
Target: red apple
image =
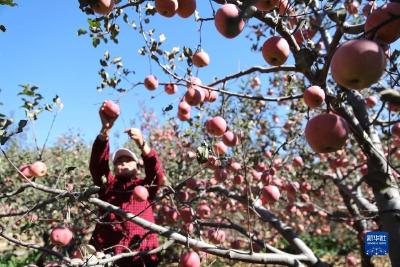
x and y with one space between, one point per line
389 32
371 101
38 169
204 211
271 193
151 82
212 96
298 162
396 129
110 109
140 193
167 8
183 116
61 236
358 64
216 126
230 139
189 259
314 96
103 7
186 214
216 236
194 96
186 8
184 107
220 148
326 133
228 21
275 51
170 88
200 59
26 170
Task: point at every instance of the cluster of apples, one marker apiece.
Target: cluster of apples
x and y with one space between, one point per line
168 8
217 127
36 169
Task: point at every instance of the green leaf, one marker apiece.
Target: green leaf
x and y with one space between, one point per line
95 41
7 2
4 139
202 153
93 23
103 63
81 32
168 108
48 108
21 125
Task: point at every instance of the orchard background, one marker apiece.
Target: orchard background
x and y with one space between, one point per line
268 197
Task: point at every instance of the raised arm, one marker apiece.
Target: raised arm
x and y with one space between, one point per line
100 155
99 158
154 170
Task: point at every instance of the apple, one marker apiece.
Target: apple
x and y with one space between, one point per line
389 32
275 51
238 179
396 129
38 169
228 21
25 169
103 7
140 193
358 64
230 139
212 96
189 259
151 82
186 8
326 133
314 96
200 59
255 82
194 96
371 101
184 107
167 8
186 214
216 236
298 162
61 236
183 116
271 193
170 88
216 126
204 211
110 109
220 148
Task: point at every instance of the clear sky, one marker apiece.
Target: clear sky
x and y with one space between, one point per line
41 47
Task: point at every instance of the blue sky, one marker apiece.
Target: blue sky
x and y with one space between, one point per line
41 47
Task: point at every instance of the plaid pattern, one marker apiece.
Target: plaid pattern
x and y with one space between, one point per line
118 191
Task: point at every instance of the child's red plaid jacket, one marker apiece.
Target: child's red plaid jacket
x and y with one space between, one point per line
118 191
